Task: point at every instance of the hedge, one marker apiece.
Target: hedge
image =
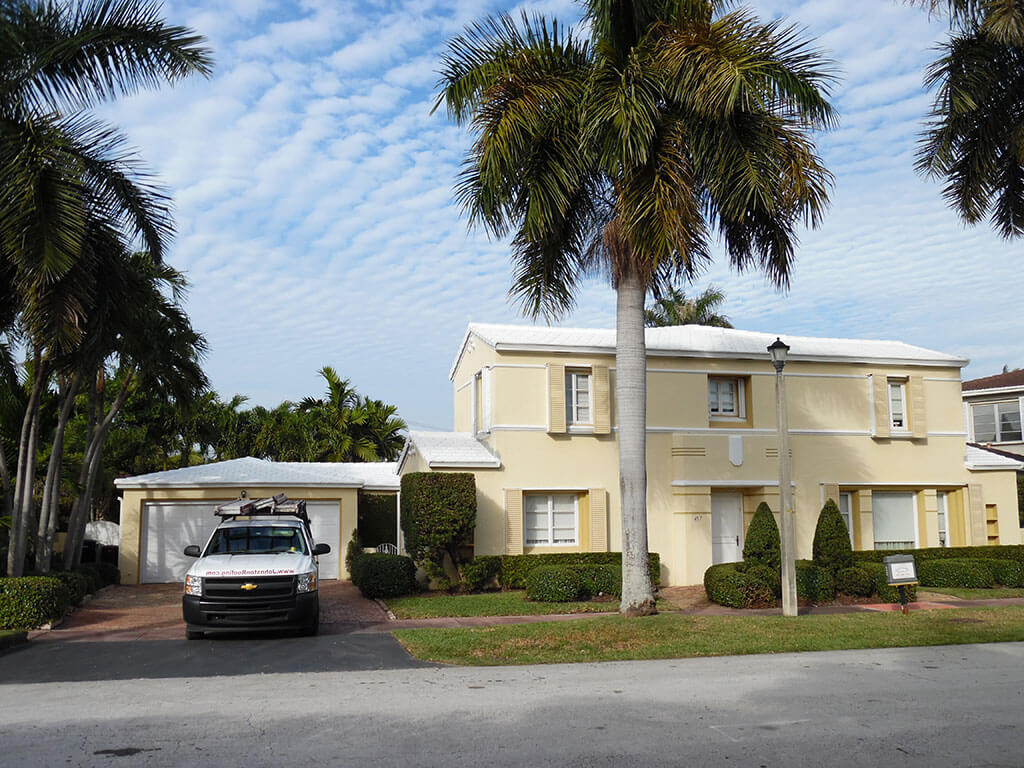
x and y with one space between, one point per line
831 546
600 580
854 581
554 584
31 601
724 585
956 573
377 519
515 568
78 584
1000 552
481 573
772 577
885 592
378 575
814 583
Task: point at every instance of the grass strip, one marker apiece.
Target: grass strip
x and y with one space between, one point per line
512 603
668 636
965 593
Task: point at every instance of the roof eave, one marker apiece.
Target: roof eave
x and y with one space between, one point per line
464 464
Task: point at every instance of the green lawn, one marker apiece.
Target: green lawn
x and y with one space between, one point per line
682 636
976 594
513 603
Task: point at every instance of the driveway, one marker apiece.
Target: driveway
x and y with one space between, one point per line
136 632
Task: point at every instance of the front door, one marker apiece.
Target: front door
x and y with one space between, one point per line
726 528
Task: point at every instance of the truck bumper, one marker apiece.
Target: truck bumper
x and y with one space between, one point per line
297 611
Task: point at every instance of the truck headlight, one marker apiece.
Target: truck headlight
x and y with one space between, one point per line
194 585
306 582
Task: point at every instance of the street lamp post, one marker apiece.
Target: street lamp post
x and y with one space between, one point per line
778 350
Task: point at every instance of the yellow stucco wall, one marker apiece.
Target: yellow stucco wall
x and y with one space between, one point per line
134 498
831 415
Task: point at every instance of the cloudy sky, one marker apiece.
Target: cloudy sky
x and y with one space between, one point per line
316 224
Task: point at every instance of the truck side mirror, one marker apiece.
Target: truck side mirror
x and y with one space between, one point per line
321 549
192 550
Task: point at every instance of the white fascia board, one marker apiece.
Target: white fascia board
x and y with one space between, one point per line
958 362
397 486
462 350
127 484
969 393
1014 466
403 455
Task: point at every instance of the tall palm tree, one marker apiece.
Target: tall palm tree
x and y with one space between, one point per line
620 149
974 139
673 307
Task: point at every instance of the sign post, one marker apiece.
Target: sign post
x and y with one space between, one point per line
900 570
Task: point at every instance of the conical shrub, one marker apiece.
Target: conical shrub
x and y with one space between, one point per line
831 547
763 546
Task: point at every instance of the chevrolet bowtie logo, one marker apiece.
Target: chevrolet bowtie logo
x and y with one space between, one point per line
249 587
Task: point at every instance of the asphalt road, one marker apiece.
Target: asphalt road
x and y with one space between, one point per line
948 706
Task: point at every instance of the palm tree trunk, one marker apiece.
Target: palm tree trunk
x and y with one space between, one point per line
631 403
22 510
51 487
90 472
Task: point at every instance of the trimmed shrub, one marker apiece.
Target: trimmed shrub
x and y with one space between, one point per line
956 573
1006 572
1000 552
831 549
885 592
814 583
77 583
763 545
515 568
771 577
724 585
481 573
385 575
92 575
438 517
554 584
600 579
31 601
353 554
854 581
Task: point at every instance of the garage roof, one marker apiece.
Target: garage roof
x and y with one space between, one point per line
378 476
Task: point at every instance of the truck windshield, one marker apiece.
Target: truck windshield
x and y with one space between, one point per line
256 540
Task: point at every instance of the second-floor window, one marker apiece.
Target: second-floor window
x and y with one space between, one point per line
898 405
726 397
996 422
577 397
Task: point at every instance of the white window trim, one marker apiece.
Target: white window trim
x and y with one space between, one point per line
903 397
571 422
942 507
741 399
551 519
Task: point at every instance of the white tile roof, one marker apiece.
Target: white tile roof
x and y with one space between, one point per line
258 472
705 341
979 459
451 449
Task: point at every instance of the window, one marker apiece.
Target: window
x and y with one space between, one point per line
893 520
996 422
577 397
845 508
898 405
726 398
550 519
478 402
943 503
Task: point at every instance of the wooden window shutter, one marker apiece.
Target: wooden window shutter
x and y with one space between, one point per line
598 519
513 521
602 401
915 396
977 514
556 398
880 391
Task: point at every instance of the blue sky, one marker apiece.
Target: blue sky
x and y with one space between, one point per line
316 223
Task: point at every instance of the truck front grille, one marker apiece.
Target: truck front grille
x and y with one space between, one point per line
259 589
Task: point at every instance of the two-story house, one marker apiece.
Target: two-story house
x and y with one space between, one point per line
876 425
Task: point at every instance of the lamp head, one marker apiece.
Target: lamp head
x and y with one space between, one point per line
778 349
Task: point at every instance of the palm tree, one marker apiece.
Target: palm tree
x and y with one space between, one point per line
974 139
674 308
620 149
66 175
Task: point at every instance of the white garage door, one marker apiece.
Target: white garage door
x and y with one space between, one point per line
325 524
167 528
170 526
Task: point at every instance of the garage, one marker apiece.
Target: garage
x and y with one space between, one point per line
163 512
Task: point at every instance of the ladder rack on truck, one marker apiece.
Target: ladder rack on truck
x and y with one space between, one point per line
277 504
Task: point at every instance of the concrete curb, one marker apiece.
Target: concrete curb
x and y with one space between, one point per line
10 641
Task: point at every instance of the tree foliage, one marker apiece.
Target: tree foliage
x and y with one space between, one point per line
674 307
438 517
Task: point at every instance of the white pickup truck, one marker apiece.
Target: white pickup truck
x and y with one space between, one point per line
258 571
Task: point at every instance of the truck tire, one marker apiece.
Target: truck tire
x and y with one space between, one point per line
313 628
193 634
